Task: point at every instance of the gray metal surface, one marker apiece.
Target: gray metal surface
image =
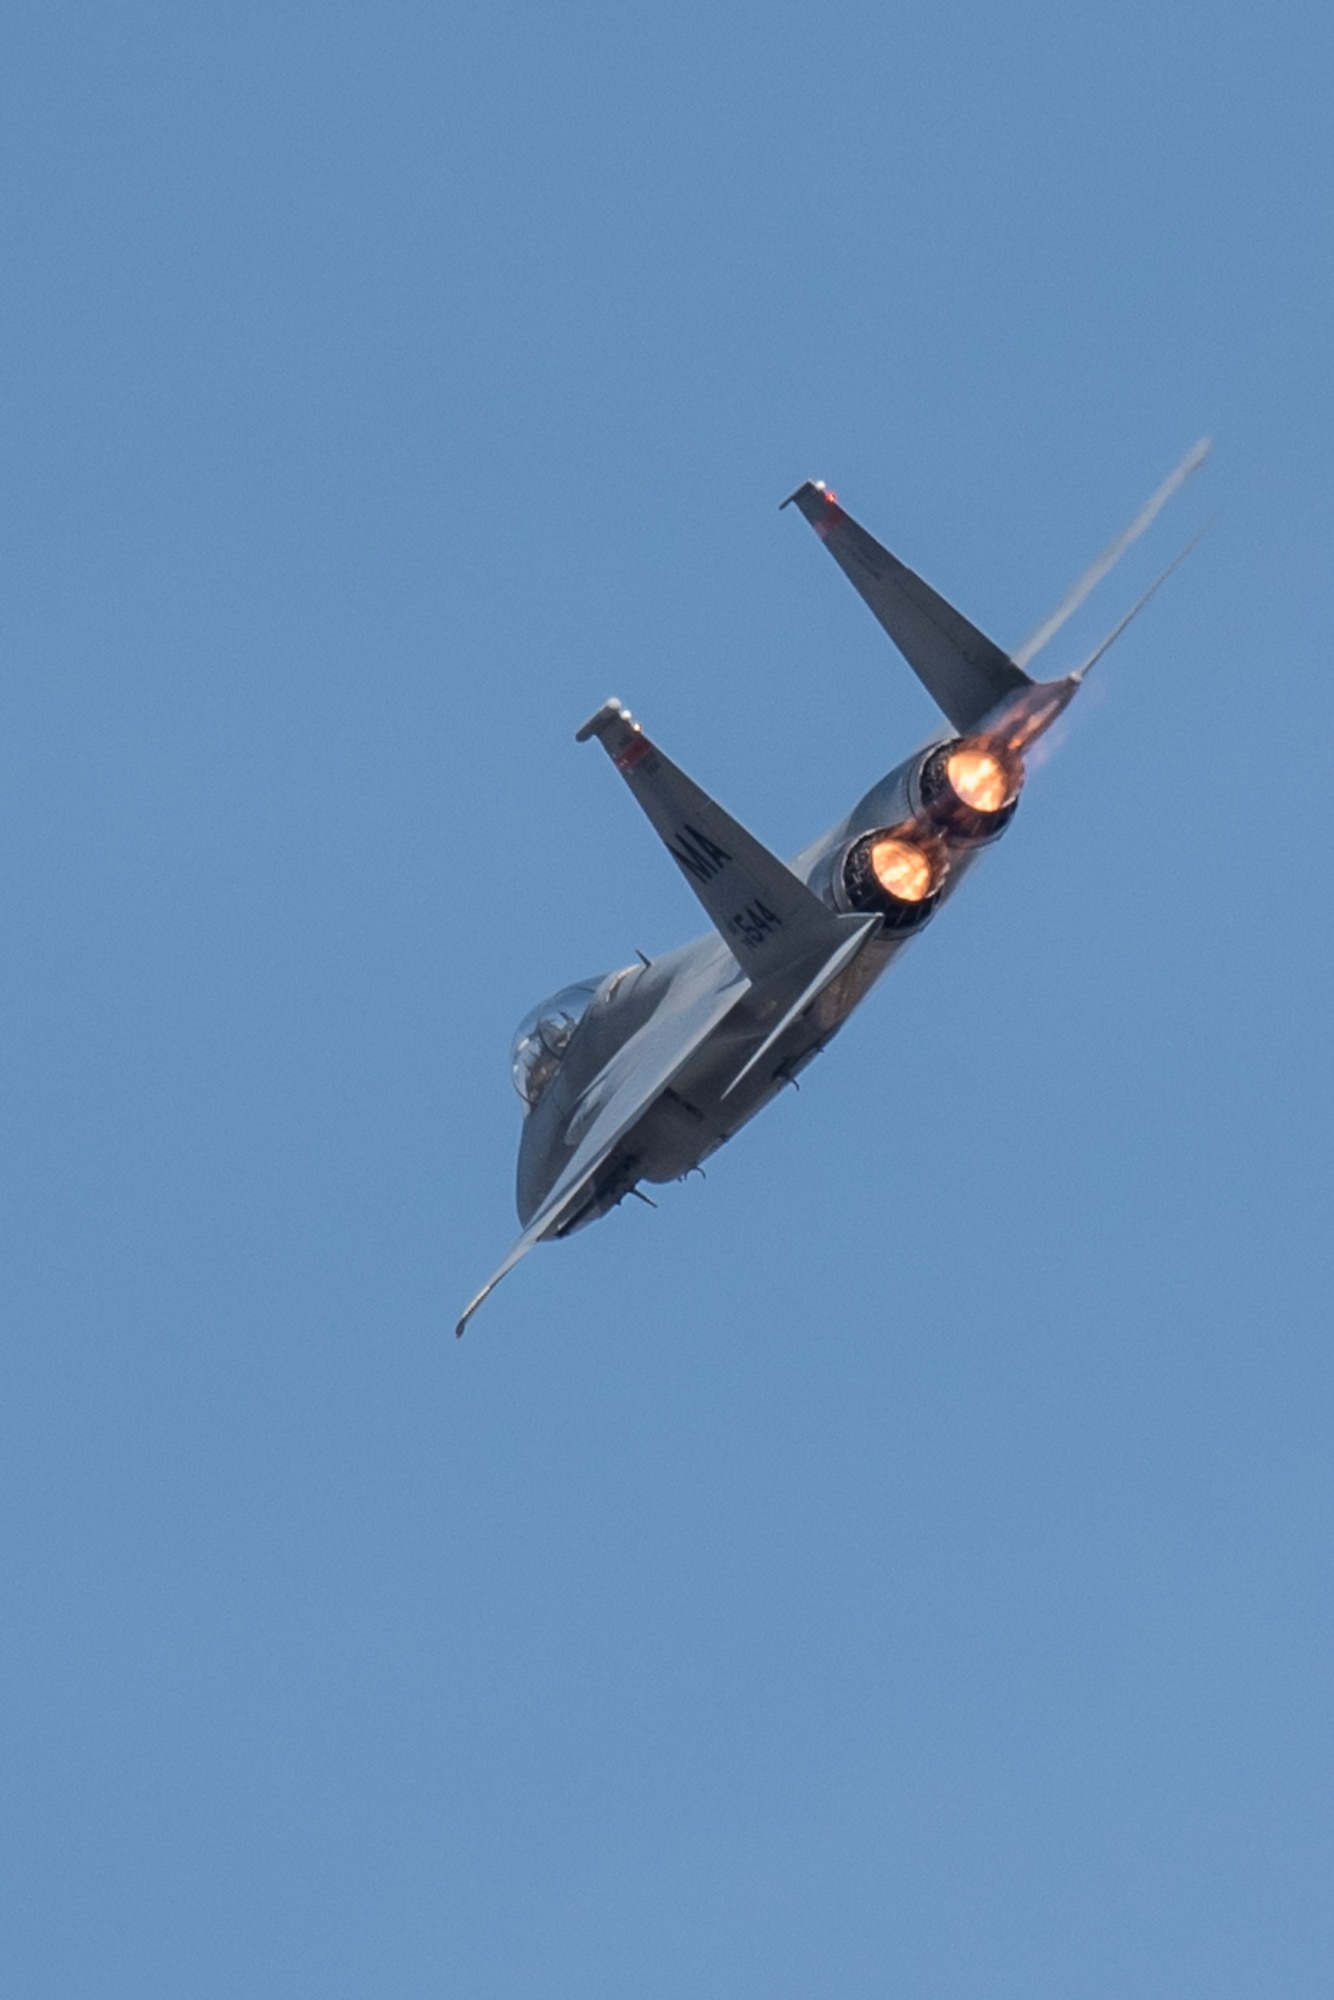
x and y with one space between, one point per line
963 671
648 1071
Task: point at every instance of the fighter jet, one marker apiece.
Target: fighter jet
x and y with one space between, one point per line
642 1074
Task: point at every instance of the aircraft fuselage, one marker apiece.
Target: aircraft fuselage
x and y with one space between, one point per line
698 1114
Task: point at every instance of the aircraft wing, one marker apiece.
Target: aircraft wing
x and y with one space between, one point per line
618 1098
963 671
766 915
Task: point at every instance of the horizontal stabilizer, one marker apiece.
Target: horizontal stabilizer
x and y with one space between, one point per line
1138 606
810 993
1020 721
963 671
1112 554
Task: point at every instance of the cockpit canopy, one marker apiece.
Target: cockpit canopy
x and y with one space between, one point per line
542 1037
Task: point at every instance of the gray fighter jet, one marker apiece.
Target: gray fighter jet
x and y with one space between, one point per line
642 1074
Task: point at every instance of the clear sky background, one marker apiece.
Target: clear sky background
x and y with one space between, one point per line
901 1565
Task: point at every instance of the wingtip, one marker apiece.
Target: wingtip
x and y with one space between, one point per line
471 1307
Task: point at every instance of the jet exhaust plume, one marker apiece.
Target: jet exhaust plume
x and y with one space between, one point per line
897 871
979 779
901 869
969 788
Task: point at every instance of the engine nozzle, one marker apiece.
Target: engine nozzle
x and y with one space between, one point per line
970 788
894 872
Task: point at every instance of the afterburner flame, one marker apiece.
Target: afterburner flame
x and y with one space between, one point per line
902 870
979 780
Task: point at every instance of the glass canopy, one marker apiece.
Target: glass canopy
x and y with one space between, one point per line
542 1037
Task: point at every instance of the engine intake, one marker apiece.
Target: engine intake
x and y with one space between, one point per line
970 789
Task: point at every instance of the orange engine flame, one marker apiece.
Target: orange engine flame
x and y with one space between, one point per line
902 870
980 780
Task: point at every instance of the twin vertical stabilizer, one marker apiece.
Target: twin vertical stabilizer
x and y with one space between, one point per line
966 674
963 671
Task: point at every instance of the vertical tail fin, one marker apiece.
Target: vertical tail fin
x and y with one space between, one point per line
963 671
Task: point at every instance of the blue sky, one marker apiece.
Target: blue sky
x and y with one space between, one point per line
902 1564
